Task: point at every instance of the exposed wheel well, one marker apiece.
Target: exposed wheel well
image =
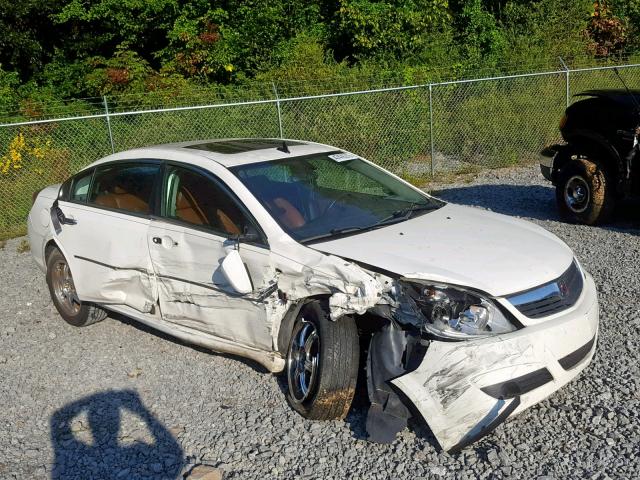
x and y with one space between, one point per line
49 247
367 323
605 156
286 325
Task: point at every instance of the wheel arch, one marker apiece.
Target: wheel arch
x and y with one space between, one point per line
289 319
52 244
589 143
49 246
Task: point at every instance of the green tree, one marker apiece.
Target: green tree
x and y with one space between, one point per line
25 35
543 30
387 30
98 27
482 40
9 83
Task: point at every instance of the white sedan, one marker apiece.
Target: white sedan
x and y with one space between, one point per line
294 253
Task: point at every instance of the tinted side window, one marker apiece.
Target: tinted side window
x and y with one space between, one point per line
79 191
126 187
195 199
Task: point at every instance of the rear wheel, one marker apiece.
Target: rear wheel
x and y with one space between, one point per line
584 192
63 293
322 364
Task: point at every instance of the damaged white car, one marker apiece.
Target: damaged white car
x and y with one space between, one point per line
293 253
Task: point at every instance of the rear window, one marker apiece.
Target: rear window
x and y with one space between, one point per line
128 187
80 187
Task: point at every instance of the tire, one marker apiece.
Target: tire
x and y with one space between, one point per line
323 355
584 192
63 294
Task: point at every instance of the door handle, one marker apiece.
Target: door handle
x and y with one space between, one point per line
157 240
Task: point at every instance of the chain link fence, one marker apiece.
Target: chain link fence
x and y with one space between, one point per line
418 131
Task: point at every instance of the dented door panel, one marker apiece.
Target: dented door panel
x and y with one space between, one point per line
193 292
109 256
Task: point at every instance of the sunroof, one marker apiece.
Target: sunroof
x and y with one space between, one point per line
240 146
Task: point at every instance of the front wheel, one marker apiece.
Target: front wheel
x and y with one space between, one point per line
322 364
584 192
63 293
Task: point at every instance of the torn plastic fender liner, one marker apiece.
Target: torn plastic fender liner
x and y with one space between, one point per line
392 352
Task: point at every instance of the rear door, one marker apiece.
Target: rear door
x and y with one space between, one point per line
199 225
108 211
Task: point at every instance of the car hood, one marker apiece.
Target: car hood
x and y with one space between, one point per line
466 246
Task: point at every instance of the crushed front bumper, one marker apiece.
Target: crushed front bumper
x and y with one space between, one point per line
465 389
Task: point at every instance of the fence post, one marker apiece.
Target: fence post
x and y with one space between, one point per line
275 91
433 147
106 110
566 73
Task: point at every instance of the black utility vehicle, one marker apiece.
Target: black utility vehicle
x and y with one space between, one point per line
598 165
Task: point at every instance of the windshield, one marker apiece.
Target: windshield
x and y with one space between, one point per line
325 195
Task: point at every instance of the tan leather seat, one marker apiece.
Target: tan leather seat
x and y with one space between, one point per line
188 210
122 200
287 213
227 224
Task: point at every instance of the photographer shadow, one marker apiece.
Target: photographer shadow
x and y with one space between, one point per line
90 440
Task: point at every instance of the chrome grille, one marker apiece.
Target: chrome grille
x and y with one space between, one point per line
552 297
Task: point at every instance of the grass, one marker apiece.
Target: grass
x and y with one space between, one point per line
23 246
13 232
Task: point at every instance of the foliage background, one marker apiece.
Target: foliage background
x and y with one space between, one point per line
55 50
59 57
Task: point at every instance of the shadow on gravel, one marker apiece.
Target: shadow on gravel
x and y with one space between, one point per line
533 201
91 439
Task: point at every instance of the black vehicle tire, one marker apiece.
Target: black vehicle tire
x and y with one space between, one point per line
63 294
322 364
584 192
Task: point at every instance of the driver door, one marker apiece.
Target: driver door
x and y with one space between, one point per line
199 225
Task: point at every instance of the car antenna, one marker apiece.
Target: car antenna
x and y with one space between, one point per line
283 147
624 84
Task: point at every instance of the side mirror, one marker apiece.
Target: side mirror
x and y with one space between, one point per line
236 273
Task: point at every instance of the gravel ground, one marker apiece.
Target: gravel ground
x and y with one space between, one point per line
116 400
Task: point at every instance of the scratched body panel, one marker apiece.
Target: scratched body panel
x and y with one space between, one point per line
446 387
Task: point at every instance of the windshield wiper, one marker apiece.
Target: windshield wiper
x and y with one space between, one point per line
406 212
398 215
339 231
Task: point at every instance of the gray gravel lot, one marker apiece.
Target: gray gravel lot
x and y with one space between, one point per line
116 400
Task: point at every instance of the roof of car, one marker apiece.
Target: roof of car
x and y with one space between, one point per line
236 151
618 95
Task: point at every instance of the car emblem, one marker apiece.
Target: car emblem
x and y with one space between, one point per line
564 290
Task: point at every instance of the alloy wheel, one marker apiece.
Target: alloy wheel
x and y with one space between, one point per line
303 361
64 288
